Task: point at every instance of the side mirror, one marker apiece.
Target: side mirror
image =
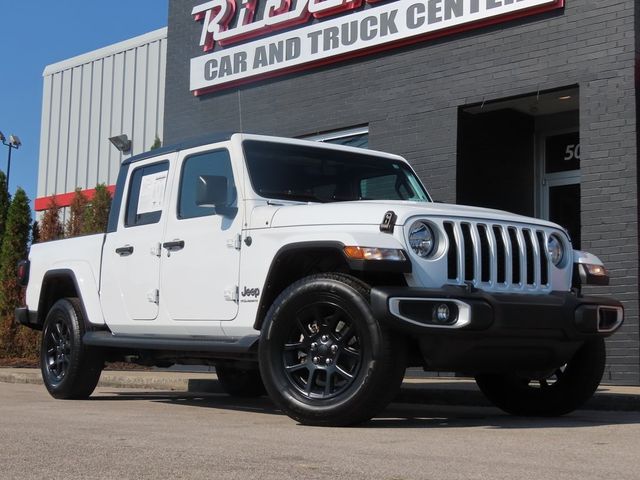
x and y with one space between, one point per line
211 191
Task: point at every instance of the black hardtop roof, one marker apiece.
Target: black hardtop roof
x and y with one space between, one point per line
176 147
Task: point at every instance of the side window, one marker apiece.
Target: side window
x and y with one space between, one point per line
205 175
146 194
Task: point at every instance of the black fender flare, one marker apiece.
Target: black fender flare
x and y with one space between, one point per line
48 283
354 265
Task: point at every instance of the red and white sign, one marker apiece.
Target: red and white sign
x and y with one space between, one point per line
369 27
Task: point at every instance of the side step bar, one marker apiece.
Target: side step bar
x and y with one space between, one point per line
223 346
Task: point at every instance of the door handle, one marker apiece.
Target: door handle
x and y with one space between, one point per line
124 251
174 245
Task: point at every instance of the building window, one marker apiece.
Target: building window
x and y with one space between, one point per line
351 137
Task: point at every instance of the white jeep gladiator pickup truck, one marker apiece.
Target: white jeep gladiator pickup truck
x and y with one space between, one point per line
319 272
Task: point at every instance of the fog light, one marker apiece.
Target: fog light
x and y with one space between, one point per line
442 314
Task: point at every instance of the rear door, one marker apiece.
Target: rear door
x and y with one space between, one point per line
131 254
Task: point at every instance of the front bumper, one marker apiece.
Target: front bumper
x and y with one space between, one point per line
490 332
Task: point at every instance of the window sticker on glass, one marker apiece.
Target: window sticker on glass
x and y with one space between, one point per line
151 192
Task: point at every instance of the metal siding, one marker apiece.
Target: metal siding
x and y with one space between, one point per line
84 126
71 178
94 140
116 112
139 104
44 135
54 133
63 133
87 99
161 87
105 121
151 95
129 92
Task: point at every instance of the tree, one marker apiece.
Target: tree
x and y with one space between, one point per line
35 232
50 225
5 199
157 143
98 210
13 249
77 215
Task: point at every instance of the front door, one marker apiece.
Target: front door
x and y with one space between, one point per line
131 254
201 250
560 175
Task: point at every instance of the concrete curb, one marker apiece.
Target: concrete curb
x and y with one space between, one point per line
430 391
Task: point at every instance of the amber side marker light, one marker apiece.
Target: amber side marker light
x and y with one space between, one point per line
374 253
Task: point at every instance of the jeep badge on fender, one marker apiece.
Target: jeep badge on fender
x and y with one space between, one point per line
250 292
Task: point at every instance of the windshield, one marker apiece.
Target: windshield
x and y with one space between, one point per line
316 174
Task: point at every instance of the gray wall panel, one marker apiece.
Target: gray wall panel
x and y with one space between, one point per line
44 136
96 114
71 174
63 133
139 99
162 90
84 127
104 147
116 107
87 99
151 95
129 93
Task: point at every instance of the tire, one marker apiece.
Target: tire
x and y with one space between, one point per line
324 358
238 382
70 370
555 394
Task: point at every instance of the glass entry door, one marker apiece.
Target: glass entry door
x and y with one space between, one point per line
560 175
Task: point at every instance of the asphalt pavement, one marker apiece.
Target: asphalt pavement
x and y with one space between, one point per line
156 434
416 388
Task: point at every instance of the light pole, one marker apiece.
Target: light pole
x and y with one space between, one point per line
14 142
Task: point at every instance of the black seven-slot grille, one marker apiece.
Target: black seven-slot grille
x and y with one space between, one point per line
509 256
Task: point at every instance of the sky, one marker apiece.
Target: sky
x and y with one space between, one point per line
37 33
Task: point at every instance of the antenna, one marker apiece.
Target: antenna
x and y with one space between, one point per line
240 110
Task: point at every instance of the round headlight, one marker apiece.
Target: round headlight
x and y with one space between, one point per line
422 239
555 249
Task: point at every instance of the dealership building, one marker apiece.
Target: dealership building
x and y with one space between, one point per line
529 106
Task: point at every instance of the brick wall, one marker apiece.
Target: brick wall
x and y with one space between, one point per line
410 98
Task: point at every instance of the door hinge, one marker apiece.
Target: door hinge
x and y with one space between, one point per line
235 242
154 296
232 294
156 249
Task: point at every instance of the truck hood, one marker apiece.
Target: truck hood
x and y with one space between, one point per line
372 212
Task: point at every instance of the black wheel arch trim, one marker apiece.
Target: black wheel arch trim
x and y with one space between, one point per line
391 266
49 276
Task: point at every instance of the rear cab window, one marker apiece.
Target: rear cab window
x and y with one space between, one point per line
146 196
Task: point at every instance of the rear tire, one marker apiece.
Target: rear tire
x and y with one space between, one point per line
239 382
324 358
70 369
554 394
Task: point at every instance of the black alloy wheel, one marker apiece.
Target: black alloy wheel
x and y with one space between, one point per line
551 393
324 357
322 354
57 341
70 369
